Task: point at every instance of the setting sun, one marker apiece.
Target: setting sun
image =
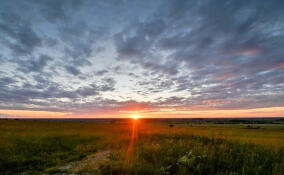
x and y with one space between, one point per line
135 117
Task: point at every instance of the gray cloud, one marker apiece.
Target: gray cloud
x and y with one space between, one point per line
44 94
227 48
33 64
72 70
53 10
88 55
18 34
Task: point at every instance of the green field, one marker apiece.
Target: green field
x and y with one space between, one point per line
140 147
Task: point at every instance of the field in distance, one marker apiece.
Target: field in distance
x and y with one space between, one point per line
143 146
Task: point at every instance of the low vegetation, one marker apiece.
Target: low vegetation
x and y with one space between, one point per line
142 147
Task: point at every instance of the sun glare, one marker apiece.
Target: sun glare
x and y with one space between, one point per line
135 117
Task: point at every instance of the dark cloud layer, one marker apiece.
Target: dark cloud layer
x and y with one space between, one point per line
232 50
88 56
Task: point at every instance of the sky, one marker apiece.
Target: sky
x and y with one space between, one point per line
162 58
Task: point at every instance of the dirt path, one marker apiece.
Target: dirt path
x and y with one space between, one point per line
89 164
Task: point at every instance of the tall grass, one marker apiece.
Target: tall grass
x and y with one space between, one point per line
33 146
184 154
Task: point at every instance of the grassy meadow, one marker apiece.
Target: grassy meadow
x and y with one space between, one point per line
142 147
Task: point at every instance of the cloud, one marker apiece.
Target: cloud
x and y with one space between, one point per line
48 96
4 81
33 64
226 50
72 70
57 10
88 56
101 72
18 34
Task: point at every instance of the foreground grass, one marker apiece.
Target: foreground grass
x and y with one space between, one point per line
28 146
34 146
183 154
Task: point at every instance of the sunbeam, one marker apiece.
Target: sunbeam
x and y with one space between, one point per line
133 140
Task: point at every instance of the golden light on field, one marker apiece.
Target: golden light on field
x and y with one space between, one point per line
133 140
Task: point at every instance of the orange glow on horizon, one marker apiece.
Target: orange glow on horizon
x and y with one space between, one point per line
155 113
31 114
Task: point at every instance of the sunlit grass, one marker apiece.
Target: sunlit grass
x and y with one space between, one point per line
140 146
